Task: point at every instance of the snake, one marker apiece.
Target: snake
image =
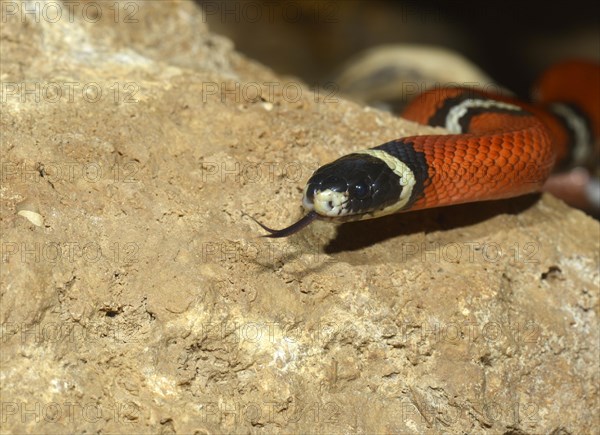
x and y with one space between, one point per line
497 147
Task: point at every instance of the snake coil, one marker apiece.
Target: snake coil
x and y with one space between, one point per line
498 147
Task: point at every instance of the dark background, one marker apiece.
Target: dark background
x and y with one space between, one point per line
511 41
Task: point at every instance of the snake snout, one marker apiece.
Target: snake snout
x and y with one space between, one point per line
326 195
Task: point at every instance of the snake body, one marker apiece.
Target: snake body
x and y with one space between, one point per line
498 147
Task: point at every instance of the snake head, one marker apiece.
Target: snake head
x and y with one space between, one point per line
351 188
362 185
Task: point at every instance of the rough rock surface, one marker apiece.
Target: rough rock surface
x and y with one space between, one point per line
145 303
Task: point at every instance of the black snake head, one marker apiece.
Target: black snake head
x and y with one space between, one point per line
352 187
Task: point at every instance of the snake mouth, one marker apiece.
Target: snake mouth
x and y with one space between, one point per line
322 205
327 203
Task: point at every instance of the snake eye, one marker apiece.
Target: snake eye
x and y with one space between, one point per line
360 190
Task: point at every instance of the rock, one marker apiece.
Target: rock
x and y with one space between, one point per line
146 302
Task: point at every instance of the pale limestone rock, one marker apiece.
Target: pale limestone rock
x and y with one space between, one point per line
146 302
